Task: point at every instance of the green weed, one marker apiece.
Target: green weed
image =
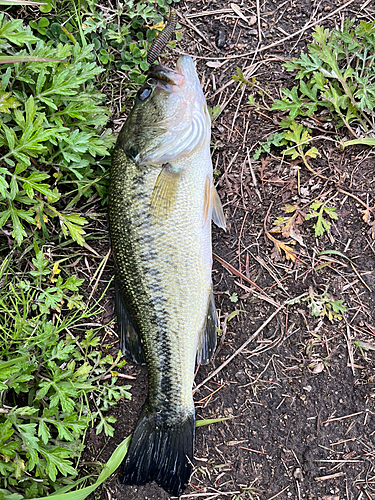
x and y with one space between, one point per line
120 37
337 74
317 211
323 305
50 391
51 133
233 297
336 84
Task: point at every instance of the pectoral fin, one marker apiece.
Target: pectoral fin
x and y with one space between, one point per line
207 337
130 340
165 189
211 199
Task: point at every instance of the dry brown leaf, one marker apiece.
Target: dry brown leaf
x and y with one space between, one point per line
367 214
296 235
283 247
239 13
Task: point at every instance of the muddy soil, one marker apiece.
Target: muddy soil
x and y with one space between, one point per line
300 397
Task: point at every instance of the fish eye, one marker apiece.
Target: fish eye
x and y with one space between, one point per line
144 93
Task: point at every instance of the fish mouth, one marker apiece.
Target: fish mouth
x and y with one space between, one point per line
165 76
184 75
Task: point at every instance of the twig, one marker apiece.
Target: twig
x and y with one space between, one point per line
277 494
237 109
363 281
354 197
342 418
331 476
271 273
234 271
240 349
209 494
257 295
259 28
209 13
340 461
194 28
350 348
120 375
253 176
103 264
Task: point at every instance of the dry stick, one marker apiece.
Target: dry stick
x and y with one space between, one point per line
253 177
210 13
208 494
236 113
222 107
247 73
332 476
341 418
275 44
259 28
354 197
363 281
340 461
238 273
350 348
240 349
277 494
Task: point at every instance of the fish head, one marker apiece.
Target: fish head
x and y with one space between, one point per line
169 119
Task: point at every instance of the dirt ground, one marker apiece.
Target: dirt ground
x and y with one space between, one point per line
300 395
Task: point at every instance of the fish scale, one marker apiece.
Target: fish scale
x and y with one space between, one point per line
166 304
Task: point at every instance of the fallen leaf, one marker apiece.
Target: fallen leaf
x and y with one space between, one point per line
296 235
239 13
215 64
318 368
366 214
283 247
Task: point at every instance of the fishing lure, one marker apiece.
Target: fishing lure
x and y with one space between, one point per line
161 41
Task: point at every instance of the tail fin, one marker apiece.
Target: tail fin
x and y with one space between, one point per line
161 451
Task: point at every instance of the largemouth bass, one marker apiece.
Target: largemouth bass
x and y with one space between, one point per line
161 202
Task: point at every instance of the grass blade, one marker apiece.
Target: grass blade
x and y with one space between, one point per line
200 423
18 59
20 2
368 141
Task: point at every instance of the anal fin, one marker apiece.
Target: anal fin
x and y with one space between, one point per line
130 340
208 336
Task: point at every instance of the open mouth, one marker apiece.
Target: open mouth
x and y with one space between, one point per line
167 75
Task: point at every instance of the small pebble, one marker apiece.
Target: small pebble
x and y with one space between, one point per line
220 39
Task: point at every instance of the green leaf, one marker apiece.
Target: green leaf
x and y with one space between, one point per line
7 102
57 460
